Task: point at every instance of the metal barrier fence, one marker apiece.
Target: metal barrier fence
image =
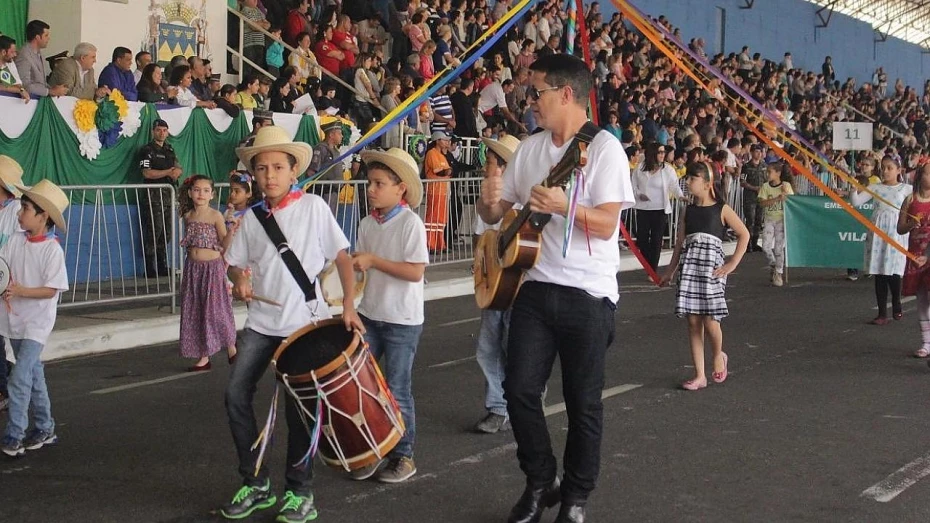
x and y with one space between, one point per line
121 244
123 240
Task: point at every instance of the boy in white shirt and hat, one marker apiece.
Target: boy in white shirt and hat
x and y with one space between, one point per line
392 248
37 275
314 237
11 175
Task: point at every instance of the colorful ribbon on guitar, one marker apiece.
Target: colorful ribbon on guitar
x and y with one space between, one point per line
468 58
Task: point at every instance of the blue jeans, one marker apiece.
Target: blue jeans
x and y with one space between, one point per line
252 359
395 346
546 321
27 388
491 353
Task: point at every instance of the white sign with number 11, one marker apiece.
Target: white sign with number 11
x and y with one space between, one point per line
852 136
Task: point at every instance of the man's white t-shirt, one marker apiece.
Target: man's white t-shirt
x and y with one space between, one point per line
315 238
32 264
400 239
607 180
492 96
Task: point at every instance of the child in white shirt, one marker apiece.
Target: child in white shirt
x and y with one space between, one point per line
38 275
10 176
392 248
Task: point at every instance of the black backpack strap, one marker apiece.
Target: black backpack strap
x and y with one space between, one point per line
290 259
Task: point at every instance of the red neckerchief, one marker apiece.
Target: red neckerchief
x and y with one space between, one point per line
39 238
291 197
381 218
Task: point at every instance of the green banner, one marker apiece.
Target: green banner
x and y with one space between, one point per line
49 149
13 19
820 233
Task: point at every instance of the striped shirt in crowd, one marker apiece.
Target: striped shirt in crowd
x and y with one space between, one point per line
441 105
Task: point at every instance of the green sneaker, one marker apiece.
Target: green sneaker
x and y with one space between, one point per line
297 509
249 499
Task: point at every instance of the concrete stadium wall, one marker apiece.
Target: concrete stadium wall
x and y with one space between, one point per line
774 28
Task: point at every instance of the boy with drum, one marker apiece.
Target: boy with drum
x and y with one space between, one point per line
392 248
11 175
284 272
37 268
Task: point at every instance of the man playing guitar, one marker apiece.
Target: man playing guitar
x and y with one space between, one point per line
566 304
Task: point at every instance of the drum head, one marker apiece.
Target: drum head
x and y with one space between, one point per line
4 275
314 348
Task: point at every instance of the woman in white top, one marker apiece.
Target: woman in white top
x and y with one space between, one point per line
366 100
654 185
181 79
304 60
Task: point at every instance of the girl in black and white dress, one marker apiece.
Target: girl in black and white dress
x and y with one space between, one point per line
703 278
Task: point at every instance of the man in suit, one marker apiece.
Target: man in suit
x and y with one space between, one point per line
29 62
77 74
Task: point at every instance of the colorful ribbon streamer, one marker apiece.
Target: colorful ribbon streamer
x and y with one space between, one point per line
639 255
470 56
570 26
648 29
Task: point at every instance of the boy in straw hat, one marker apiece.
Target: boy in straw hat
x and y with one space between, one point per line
314 237
37 268
11 175
491 348
392 247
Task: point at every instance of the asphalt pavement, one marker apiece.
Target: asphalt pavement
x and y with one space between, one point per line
821 419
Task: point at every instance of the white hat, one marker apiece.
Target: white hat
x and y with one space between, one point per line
439 135
11 175
272 138
404 166
51 199
506 147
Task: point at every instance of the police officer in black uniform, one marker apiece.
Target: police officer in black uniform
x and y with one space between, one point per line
159 165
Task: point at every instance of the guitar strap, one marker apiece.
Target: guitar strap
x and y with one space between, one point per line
290 259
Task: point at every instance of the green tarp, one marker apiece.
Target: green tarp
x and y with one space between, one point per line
13 18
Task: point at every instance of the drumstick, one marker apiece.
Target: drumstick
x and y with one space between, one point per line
265 300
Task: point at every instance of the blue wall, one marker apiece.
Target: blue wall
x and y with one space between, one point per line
773 28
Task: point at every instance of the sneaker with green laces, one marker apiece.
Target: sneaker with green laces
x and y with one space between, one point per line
249 499
297 509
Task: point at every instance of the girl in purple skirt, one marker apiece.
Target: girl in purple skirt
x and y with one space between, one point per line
207 323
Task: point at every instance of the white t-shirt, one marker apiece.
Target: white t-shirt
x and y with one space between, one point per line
400 239
9 221
658 187
492 96
607 179
38 264
315 238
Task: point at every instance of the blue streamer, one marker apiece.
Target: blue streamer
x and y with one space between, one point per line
446 76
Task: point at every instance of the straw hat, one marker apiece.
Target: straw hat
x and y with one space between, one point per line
404 167
11 175
275 139
51 199
505 147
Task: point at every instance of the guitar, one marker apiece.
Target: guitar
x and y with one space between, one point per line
502 257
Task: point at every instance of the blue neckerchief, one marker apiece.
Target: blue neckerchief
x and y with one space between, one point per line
6 203
383 218
50 235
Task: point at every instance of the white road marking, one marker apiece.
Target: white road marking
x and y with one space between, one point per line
903 300
453 362
146 383
906 476
606 393
459 322
480 456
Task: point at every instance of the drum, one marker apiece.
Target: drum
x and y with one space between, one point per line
4 275
332 286
330 371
